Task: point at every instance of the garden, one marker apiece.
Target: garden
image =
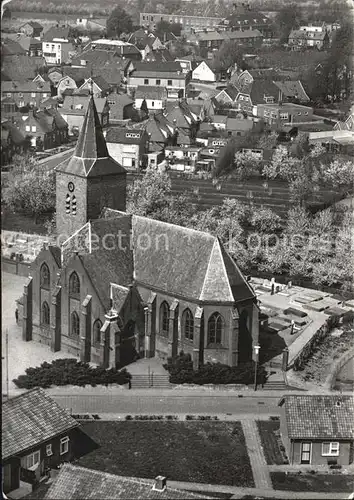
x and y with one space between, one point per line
312 482
211 452
273 448
69 371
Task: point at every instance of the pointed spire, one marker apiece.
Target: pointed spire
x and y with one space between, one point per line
91 142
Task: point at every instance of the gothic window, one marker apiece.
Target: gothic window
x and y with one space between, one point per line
164 318
97 331
74 324
45 276
188 324
74 284
215 328
68 204
73 205
45 314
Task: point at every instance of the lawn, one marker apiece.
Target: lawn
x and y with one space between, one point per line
335 483
269 433
202 452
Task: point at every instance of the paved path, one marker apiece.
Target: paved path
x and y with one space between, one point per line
255 452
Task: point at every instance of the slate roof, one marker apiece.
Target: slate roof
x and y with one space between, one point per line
160 55
91 157
320 417
71 101
30 419
261 88
231 91
119 135
79 483
150 92
292 89
55 32
21 67
18 86
152 67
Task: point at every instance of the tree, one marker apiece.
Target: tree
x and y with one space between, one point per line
164 28
119 22
230 53
30 189
144 109
287 19
339 173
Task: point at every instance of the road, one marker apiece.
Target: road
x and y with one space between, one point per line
163 402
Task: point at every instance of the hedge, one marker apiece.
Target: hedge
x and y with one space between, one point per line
70 372
181 372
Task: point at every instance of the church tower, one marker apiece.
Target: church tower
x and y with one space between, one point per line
88 181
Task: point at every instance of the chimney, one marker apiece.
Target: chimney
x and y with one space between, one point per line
159 484
280 98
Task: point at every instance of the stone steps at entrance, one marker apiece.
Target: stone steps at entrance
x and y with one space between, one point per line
146 381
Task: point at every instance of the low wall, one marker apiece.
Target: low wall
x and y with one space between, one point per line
15 267
332 377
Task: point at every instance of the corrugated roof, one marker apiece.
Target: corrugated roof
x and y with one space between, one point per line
320 417
30 419
74 482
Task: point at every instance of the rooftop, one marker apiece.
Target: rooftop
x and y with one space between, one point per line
31 419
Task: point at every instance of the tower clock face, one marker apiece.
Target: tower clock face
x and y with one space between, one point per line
71 187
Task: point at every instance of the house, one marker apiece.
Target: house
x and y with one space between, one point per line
179 114
32 46
45 128
150 20
182 159
189 62
123 49
281 113
318 430
37 435
155 97
161 133
97 85
168 75
127 146
31 28
97 25
211 41
26 93
11 47
335 141
161 55
64 84
108 303
74 109
12 142
244 18
301 39
56 47
120 107
228 95
75 482
203 72
20 67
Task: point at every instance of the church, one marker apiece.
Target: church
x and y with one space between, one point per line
120 287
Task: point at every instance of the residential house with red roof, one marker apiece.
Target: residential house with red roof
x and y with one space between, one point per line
203 72
109 300
37 434
128 146
32 29
74 109
155 97
56 46
318 429
45 128
96 85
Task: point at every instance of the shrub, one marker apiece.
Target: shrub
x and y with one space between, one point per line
128 417
70 372
181 372
189 417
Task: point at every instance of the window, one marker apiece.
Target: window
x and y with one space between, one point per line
28 128
20 94
44 94
45 276
152 104
48 450
33 94
74 284
188 324
330 449
9 94
146 81
74 324
45 314
158 82
215 328
34 128
64 445
164 318
97 331
169 82
31 461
